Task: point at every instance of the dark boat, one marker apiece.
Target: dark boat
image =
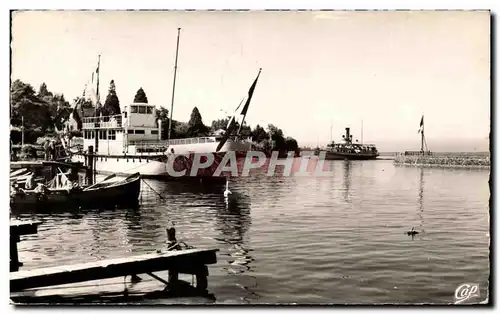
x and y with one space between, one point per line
106 193
349 150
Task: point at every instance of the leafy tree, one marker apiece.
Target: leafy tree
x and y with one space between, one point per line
112 104
25 103
140 96
84 103
219 124
259 134
274 131
162 114
41 111
195 124
291 145
222 124
180 129
43 91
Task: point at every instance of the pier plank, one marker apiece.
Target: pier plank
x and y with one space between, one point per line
147 263
19 228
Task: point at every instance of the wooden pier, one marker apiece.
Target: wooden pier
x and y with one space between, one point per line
18 229
190 261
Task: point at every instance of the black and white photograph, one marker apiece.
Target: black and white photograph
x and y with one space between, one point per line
250 157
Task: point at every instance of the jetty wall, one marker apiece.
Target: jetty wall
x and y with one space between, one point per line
443 161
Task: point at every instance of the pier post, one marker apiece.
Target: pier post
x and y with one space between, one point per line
90 166
173 274
14 257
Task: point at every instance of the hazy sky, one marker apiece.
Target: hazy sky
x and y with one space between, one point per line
318 68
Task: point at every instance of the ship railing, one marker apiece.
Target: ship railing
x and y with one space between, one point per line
148 146
103 122
194 140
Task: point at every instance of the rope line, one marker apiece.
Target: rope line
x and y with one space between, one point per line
153 189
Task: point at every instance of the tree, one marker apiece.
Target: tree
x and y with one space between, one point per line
274 131
180 129
43 91
26 104
112 104
219 124
195 124
162 114
259 134
140 96
291 145
84 103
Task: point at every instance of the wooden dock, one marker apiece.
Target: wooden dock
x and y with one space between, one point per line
190 261
17 229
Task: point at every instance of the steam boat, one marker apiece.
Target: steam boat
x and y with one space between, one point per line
349 150
131 142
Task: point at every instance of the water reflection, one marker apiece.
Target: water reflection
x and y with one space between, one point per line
232 222
347 180
421 199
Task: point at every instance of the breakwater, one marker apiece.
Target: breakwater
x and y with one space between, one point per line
443 161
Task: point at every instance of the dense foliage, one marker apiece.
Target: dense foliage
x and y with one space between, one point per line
112 104
42 111
140 96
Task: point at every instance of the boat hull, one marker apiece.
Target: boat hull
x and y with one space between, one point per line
349 156
156 166
122 193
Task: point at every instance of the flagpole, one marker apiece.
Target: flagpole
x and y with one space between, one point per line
422 144
173 88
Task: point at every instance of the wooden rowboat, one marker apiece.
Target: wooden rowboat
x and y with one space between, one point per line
117 193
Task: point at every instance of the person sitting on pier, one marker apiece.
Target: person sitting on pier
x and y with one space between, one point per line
172 243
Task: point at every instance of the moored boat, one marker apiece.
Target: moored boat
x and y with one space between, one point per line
132 142
116 193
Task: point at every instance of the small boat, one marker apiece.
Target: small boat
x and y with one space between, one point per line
117 193
20 177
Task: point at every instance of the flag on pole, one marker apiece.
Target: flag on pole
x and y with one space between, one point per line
421 128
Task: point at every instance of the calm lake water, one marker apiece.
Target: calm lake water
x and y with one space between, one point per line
338 239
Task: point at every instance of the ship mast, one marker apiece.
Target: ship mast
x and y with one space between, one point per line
173 88
97 105
422 140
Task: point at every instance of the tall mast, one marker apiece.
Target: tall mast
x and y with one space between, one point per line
173 88
98 65
422 144
96 125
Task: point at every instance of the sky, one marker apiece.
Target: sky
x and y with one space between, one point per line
321 71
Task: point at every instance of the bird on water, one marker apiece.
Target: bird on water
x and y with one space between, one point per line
227 192
412 232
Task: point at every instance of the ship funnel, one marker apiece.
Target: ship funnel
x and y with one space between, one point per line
347 133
